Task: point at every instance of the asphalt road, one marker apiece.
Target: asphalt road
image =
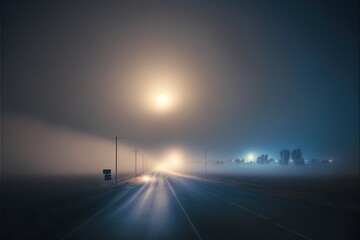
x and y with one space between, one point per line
175 207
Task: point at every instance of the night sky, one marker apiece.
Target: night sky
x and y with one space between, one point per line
242 76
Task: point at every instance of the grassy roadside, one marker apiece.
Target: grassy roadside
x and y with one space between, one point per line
341 193
50 207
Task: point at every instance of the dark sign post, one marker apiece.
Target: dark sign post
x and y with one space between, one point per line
107 177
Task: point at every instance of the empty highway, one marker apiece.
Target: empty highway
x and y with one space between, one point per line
169 206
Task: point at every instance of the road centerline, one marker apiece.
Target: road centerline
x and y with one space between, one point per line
182 208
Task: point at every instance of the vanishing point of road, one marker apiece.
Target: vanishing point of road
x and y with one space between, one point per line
170 206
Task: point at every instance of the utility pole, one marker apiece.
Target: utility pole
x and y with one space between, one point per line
143 164
184 164
116 148
205 170
116 159
135 160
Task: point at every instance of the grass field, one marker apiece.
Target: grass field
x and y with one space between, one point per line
339 192
50 207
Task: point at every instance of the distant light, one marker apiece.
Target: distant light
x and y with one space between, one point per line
162 100
175 162
146 178
250 157
160 168
173 158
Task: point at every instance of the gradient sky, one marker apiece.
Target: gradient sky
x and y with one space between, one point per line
242 76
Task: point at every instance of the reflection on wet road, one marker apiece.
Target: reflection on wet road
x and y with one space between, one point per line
148 211
168 206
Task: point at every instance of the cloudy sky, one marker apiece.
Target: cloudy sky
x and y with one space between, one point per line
241 76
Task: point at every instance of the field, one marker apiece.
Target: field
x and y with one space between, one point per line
324 186
341 193
50 207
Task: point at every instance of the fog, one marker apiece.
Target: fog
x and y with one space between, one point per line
32 146
238 80
35 147
272 170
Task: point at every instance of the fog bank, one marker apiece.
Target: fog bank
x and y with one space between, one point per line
34 147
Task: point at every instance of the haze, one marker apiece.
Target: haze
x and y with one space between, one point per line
240 77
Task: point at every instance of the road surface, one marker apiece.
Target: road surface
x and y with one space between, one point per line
170 206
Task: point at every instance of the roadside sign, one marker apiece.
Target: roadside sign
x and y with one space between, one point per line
107 171
107 177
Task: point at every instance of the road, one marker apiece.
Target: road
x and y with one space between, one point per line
170 206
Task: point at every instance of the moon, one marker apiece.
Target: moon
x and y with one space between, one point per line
162 100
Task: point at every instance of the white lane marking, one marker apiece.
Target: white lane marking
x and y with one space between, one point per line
182 208
100 211
261 216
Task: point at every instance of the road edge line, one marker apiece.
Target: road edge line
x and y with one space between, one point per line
261 216
97 213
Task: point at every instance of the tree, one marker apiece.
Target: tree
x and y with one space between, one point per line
296 156
284 157
262 159
271 161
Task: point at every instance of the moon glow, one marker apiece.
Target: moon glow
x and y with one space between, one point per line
162 100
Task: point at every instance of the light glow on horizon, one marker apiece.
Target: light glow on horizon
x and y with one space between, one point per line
250 157
146 178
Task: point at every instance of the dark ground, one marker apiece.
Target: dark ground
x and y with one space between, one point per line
340 192
50 207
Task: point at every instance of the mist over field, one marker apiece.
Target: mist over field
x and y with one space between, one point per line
37 147
33 146
274 170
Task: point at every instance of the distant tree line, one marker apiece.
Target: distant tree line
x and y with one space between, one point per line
285 156
263 159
